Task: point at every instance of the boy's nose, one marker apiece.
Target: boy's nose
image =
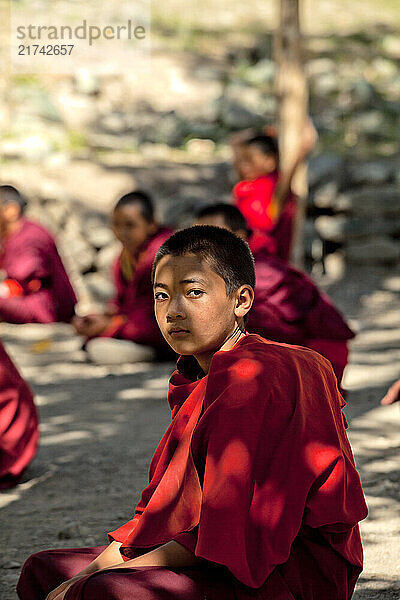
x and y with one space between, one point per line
175 310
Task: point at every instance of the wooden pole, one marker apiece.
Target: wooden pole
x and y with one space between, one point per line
292 96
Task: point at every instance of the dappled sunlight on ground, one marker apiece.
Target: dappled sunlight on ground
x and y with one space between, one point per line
100 426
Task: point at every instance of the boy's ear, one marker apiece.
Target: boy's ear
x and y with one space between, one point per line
244 297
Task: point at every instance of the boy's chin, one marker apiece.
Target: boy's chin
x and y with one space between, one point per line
181 347
190 347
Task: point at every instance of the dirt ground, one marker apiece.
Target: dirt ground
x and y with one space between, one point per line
99 427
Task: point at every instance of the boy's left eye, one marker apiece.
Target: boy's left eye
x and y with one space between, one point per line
195 293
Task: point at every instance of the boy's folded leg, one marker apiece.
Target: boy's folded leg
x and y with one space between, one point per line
155 583
44 571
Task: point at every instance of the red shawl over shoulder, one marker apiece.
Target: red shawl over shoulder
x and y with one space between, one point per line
256 473
254 200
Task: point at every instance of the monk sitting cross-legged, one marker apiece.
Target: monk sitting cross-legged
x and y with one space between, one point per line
36 288
253 492
127 330
288 306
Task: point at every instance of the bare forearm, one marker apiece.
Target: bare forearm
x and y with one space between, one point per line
170 554
308 140
283 187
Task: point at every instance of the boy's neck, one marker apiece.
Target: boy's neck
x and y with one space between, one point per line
204 360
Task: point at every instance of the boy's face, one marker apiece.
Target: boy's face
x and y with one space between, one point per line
193 311
130 227
9 213
256 163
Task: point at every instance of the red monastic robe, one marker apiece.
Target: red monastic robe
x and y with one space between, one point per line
288 307
134 319
18 423
254 200
254 474
30 258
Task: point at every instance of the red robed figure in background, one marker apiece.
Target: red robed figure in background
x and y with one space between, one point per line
255 474
288 307
18 423
30 259
133 303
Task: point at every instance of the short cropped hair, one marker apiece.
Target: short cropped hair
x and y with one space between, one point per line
227 254
10 195
232 216
140 198
266 144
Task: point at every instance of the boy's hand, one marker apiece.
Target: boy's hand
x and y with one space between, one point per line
91 325
392 395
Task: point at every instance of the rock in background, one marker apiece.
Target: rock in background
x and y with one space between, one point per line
74 144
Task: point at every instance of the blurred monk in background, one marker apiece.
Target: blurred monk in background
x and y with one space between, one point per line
127 330
288 306
35 287
19 432
264 194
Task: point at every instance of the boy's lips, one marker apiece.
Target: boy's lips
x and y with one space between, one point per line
178 331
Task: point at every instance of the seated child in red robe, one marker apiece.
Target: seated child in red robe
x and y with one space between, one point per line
35 287
253 492
288 306
127 331
264 195
19 432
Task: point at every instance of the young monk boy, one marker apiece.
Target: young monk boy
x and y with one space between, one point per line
264 194
288 306
19 432
36 288
253 492
127 330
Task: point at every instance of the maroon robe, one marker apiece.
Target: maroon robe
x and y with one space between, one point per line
134 299
30 257
18 423
255 474
288 307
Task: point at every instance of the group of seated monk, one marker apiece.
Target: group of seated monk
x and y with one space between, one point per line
288 306
253 490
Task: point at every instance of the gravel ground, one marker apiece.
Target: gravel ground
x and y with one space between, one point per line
99 427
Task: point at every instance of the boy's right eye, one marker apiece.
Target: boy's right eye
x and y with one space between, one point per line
160 296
